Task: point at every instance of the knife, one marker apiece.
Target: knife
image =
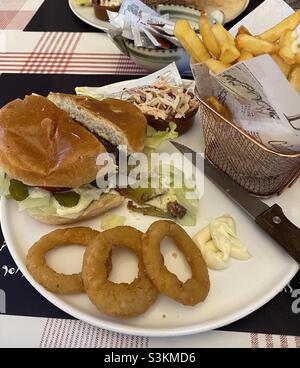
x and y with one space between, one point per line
271 219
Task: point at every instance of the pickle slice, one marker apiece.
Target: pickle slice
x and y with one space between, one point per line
67 199
18 190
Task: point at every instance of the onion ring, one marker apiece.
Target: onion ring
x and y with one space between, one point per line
118 300
51 280
194 290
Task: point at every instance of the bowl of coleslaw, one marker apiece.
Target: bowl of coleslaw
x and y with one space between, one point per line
163 103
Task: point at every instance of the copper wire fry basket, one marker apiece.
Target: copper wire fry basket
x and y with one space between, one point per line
258 169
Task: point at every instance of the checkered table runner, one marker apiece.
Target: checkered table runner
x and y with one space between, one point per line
60 333
66 53
16 14
55 52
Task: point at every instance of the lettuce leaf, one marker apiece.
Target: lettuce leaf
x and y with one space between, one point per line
186 197
36 199
41 201
156 138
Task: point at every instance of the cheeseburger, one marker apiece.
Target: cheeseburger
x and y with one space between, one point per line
49 150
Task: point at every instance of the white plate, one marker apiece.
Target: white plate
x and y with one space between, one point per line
235 292
87 15
239 12
247 2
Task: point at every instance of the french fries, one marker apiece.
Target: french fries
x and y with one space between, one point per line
245 55
216 66
288 24
283 66
208 37
294 78
255 45
217 106
219 50
190 41
229 53
221 34
288 46
243 30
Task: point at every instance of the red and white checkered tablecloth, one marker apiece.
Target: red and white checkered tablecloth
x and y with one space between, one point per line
62 333
61 52
55 52
16 14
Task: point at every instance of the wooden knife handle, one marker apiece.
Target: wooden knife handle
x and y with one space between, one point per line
281 229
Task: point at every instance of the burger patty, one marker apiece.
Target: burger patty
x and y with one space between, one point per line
110 148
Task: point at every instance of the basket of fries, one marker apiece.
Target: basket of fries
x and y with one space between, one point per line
258 169
235 123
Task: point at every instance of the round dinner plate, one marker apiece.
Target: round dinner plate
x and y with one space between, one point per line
87 15
231 8
236 292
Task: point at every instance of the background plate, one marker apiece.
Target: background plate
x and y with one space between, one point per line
235 10
236 292
87 15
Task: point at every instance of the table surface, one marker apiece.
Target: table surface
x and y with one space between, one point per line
35 29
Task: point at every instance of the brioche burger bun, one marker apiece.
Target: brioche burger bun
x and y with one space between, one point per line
48 161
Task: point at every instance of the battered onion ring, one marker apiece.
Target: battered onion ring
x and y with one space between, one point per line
118 300
46 276
194 290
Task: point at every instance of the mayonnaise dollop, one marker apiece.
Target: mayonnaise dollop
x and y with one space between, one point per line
218 242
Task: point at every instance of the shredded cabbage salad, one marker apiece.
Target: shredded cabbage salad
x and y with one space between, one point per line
162 100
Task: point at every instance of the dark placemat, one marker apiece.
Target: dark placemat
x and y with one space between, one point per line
17 296
280 316
56 16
